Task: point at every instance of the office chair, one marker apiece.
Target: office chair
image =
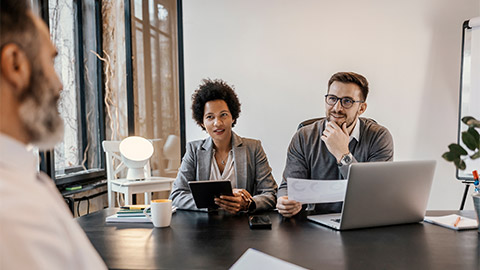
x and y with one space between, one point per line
308 122
172 155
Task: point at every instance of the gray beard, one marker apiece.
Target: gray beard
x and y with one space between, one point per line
44 129
39 113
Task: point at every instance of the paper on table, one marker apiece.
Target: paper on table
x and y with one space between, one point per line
254 259
316 191
449 222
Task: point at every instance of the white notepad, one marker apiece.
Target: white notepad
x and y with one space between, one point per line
449 222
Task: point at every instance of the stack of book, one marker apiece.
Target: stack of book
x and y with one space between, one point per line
130 213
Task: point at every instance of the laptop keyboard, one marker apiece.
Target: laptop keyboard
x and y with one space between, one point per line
337 220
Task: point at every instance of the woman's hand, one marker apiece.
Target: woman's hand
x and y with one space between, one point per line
236 203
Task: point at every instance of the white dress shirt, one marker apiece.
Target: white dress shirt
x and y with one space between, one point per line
37 231
355 132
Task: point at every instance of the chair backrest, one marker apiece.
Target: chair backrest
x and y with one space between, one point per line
308 122
171 152
113 160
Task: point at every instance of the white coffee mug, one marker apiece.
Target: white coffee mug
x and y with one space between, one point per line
160 212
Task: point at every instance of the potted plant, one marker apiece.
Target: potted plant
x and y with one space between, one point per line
457 154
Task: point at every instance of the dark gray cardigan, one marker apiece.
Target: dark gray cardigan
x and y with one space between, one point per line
309 158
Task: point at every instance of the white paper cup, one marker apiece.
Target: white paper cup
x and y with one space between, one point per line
160 212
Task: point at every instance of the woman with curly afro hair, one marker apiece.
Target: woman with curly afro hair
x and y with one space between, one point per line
224 155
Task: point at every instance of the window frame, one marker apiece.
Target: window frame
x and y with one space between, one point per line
129 71
181 77
47 164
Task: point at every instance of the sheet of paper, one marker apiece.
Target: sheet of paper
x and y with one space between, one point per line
254 259
316 191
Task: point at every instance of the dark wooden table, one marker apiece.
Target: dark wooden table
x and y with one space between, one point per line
215 241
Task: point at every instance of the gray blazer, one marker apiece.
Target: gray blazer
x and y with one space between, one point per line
251 169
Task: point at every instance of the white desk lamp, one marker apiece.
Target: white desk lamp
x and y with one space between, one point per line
135 152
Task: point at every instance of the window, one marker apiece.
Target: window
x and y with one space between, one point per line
154 108
75 28
156 84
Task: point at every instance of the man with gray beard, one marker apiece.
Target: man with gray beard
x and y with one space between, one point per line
37 231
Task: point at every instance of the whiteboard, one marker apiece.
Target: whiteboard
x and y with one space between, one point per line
469 88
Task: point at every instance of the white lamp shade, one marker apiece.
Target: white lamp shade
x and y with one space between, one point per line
135 152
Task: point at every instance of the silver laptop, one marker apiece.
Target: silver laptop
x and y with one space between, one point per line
383 193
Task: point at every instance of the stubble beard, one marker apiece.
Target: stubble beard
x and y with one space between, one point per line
349 123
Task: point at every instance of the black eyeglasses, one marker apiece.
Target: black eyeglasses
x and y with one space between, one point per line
345 101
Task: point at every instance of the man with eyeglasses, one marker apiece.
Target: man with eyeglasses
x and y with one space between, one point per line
325 149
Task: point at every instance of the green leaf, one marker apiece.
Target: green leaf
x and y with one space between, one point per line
450 156
460 164
469 140
471 122
465 119
475 134
457 149
474 123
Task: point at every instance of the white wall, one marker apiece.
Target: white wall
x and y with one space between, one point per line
280 54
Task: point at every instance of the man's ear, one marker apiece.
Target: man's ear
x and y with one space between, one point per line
15 67
363 108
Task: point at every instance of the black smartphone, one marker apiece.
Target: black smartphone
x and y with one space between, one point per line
260 222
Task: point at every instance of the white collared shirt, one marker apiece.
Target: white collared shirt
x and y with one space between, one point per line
355 132
228 171
37 231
